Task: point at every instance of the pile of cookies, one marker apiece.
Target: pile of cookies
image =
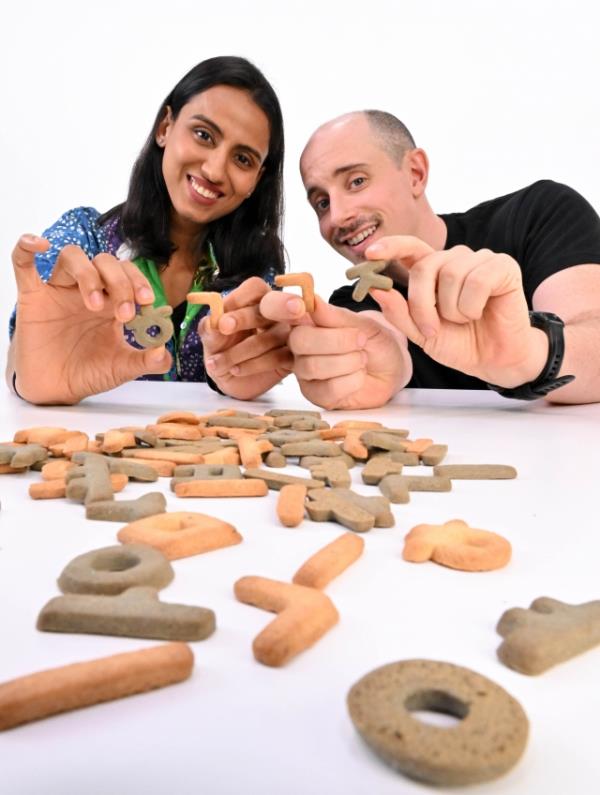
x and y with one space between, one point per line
231 454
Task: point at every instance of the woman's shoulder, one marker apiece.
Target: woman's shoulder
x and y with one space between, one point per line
81 226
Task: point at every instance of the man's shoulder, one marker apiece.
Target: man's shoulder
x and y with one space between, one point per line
541 190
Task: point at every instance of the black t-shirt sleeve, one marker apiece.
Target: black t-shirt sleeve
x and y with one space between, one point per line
555 228
343 297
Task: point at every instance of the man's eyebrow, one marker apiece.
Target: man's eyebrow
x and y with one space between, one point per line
210 123
340 170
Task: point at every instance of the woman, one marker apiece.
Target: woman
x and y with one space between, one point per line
203 212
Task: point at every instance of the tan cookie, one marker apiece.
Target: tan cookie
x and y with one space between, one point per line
146 320
276 480
177 430
56 690
135 613
22 456
325 565
290 504
379 467
303 280
547 633
458 546
333 471
369 275
476 471
180 534
126 510
349 509
53 489
397 488
111 570
304 616
433 454
214 301
42 435
188 417
489 739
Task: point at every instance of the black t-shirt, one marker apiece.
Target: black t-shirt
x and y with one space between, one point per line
545 227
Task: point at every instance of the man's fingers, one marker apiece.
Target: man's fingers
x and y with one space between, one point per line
315 341
406 248
245 319
23 258
323 368
395 309
249 292
281 307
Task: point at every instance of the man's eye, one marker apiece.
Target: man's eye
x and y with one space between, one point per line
321 205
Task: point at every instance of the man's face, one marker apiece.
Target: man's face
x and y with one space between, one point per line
357 190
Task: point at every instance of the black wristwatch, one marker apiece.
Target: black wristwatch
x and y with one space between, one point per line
546 380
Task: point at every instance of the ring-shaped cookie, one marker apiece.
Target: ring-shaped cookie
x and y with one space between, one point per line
488 741
111 570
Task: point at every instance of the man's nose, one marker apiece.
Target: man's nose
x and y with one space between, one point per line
341 212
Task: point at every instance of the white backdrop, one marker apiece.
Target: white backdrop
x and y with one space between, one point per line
499 92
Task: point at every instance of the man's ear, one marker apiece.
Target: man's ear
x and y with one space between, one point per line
417 164
164 128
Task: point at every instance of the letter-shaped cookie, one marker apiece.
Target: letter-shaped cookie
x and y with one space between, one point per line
457 545
328 562
56 690
180 534
111 570
369 275
214 301
349 509
135 613
146 320
547 633
303 280
305 615
487 741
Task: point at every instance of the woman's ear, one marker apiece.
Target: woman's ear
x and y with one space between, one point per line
164 127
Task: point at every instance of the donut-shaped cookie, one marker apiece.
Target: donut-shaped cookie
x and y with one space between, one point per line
488 741
111 570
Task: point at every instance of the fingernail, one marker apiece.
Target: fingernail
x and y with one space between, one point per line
361 340
209 364
428 331
145 294
96 299
227 325
375 247
295 306
31 238
126 311
156 355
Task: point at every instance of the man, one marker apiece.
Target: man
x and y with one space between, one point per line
459 314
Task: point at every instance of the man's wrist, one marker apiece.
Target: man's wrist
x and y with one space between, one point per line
548 379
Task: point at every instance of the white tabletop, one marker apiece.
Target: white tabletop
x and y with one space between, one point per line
239 727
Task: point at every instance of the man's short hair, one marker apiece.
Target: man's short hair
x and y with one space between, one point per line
394 136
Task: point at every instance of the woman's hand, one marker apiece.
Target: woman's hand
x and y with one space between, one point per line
246 354
69 341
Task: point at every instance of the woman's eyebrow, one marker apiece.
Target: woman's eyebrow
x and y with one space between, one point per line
219 131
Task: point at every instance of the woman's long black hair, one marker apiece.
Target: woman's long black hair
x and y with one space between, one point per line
248 240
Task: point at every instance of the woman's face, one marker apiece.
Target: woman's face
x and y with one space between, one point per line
213 155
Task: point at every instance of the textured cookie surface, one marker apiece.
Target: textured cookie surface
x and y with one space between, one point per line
488 741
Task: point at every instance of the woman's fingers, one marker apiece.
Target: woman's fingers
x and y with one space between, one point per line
23 258
104 277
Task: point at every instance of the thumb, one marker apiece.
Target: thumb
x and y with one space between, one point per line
23 258
146 362
329 316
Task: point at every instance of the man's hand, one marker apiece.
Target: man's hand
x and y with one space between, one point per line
342 359
247 353
466 309
69 341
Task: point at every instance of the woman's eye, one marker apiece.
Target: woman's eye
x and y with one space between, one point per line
203 135
357 182
244 160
